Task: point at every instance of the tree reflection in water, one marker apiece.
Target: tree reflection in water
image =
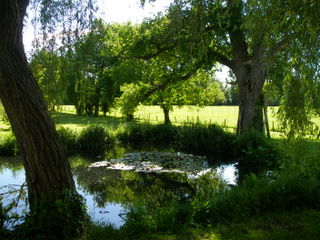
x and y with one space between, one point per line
112 192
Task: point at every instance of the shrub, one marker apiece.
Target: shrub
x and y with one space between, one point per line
68 218
93 140
210 140
69 140
172 218
8 146
161 135
257 196
256 154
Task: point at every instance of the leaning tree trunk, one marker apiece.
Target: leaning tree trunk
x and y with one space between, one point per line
47 170
250 82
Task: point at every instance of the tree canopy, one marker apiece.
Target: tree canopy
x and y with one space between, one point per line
260 41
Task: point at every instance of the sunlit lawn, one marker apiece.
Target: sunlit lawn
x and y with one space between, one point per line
225 116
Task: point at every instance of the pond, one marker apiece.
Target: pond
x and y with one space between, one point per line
111 186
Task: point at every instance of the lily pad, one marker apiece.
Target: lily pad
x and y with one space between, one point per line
157 162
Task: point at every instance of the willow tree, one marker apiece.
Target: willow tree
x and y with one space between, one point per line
247 36
48 173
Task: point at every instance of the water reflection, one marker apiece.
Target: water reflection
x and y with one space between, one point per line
110 193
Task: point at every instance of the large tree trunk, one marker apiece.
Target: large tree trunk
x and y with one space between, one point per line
250 82
47 170
249 72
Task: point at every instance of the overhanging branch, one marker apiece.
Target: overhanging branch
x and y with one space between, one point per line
216 56
159 87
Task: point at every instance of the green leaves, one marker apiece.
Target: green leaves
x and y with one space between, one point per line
46 68
66 18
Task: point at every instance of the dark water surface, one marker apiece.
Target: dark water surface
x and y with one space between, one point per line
108 193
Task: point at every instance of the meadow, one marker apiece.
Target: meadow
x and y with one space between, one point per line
224 116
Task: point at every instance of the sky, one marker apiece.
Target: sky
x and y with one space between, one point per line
110 11
122 11
129 10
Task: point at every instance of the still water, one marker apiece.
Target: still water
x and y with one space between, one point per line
108 193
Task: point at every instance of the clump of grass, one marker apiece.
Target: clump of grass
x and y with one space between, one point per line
94 140
174 218
8 146
256 154
208 140
294 225
257 196
69 139
147 134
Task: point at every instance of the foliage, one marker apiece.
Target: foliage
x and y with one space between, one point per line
293 225
298 103
228 33
147 134
66 18
93 140
257 196
208 140
68 219
8 146
94 87
69 140
256 155
172 218
3 115
132 96
294 187
46 68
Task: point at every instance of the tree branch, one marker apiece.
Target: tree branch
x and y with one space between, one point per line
148 56
279 46
159 87
216 56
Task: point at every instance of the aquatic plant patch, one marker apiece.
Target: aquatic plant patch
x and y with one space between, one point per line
158 162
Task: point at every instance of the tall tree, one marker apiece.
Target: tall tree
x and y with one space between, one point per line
48 173
246 36
47 69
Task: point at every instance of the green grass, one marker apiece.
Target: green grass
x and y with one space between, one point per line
225 116
297 225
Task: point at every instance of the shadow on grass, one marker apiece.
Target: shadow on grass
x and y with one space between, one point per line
74 120
297 225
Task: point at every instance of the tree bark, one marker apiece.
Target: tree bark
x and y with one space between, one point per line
249 72
166 112
250 82
47 170
96 110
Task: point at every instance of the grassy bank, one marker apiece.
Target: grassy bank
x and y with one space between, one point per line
295 225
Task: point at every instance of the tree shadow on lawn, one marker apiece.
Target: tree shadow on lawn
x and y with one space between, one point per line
79 121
